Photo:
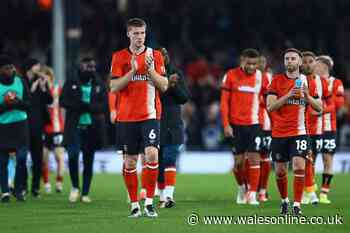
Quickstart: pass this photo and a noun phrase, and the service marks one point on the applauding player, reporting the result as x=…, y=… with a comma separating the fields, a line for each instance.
x=137, y=74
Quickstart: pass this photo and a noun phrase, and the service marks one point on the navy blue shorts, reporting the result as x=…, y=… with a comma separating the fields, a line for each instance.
x=284, y=149
x=134, y=137
x=246, y=139
x=329, y=144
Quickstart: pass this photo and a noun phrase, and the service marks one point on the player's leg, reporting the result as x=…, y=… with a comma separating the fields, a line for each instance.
x=129, y=141
x=150, y=134
x=329, y=148
x=281, y=169
x=131, y=183
x=309, y=195
x=170, y=154
x=255, y=142
x=239, y=174
x=239, y=169
x=59, y=156
x=299, y=147
x=143, y=176
x=58, y=151
x=280, y=157
x=4, y=159
x=326, y=177
x=253, y=177
x=265, y=167
x=45, y=170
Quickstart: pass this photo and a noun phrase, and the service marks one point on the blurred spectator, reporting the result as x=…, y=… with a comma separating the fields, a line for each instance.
x=212, y=131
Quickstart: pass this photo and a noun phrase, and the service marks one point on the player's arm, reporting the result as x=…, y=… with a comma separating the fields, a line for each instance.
x=339, y=95
x=312, y=98
x=120, y=83
x=112, y=100
x=160, y=81
x=273, y=103
x=328, y=105
x=225, y=101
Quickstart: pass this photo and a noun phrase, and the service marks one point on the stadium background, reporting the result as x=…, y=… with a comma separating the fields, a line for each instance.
x=204, y=39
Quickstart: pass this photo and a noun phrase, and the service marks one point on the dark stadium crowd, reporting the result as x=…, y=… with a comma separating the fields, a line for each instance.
x=203, y=40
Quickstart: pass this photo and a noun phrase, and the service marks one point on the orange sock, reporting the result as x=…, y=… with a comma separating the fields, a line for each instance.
x=170, y=176
x=151, y=176
x=161, y=185
x=239, y=175
x=59, y=178
x=254, y=176
x=265, y=168
x=143, y=177
x=282, y=184
x=246, y=172
x=131, y=182
x=298, y=184
x=309, y=176
x=45, y=173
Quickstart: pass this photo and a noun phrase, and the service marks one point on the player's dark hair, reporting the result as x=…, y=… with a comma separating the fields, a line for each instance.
x=293, y=50
x=250, y=53
x=308, y=54
x=135, y=22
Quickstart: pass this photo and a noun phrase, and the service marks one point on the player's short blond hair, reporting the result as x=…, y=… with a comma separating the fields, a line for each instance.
x=135, y=22
x=327, y=60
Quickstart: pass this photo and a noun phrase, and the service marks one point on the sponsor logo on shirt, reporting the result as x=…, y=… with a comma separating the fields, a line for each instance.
x=247, y=89
x=296, y=101
x=139, y=77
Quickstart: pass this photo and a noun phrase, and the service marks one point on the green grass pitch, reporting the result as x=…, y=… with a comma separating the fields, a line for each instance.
x=202, y=194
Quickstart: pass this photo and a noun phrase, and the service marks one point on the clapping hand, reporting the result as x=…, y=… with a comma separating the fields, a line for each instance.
x=149, y=62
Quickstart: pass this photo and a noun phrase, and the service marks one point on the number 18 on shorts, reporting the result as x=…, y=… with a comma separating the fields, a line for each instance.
x=283, y=149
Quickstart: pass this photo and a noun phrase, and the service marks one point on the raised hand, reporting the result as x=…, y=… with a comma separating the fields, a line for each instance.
x=149, y=62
